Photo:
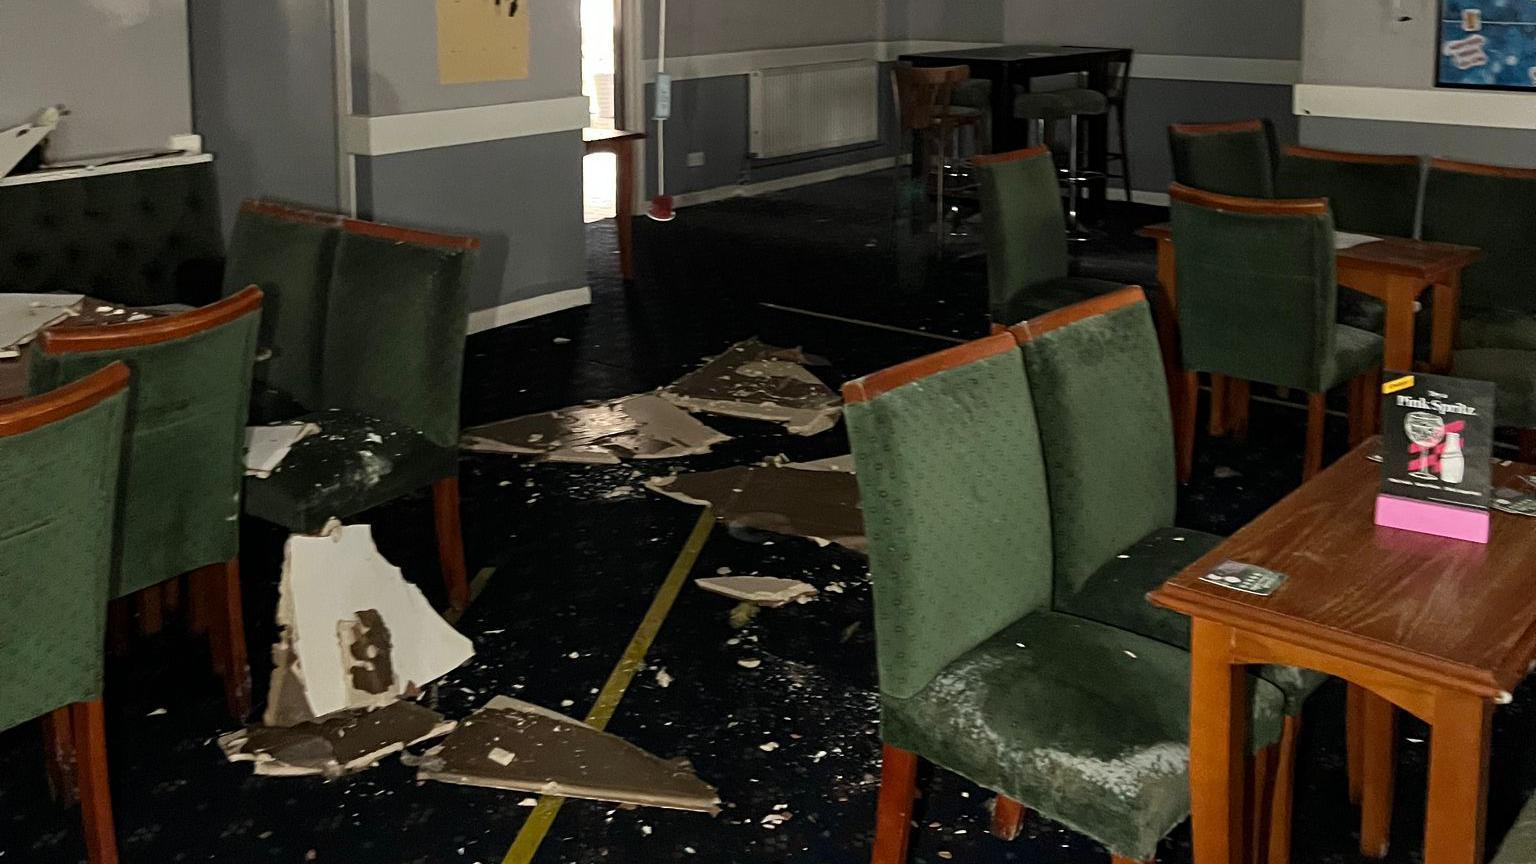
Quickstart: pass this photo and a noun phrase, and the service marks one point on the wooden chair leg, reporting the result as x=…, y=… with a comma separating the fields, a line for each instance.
x=90, y=730
x=1261, y=798
x=1356, y=404
x=1354, y=729
x=1121, y=859
x=1007, y=818
x=171, y=595
x=199, y=603
x=1379, y=734
x=1237, y=409
x=119, y=625
x=227, y=634
x=1184, y=435
x=59, y=756
x=1528, y=446
x=450, y=541
x=1317, y=413
x=1216, y=420
x=893, y=818
x=1283, y=792
x=151, y=611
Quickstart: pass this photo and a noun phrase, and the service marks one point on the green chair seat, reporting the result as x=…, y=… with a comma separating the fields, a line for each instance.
x=1086, y=723
x=1040, y=106
x=1355, y=352
x=1116, y=596
x=1513, y=372
x=1361, y=311
x=1497, y=328
x=1053, y=294
x=1519, y=846
x=355, y=463
x=1083, y=101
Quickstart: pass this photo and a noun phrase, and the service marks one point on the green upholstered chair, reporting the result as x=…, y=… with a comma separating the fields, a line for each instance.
x=391, y=358
x=1519, y=845
x=288, y=253
x=1493, y=208
x=1106, y=429
x=1258, y=302
x=1368, y=193
x=182, y=464
x=1028, y=268
x=59, y=458
x=1083, y=722
x=1229, y=158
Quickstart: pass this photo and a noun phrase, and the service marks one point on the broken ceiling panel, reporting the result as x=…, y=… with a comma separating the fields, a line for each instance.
x=354, y=632
x=821, y=505
x=644, y=426
x=510, y=744
x=336, y=744
x=760, y=382
x=266, y=446
x=758, y=590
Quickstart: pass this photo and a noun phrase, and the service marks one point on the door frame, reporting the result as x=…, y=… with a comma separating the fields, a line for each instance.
x=630, y=17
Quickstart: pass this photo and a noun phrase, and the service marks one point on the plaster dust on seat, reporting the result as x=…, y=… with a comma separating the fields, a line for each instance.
x=1125, y=775
x=372, y=469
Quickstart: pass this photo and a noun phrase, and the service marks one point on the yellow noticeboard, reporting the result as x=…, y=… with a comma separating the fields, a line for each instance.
x=482, y=40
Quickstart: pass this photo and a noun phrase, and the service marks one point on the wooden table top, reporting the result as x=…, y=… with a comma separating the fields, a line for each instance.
x=1016, y=53
x=1424, y=259
x=93, y=313
x=1462, y=614
x=594, y=135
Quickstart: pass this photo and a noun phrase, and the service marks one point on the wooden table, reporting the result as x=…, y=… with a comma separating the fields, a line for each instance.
x=93, y=313
x=622, y=145
x=1441, y=628
x=1013, y=66
x=1394, y=270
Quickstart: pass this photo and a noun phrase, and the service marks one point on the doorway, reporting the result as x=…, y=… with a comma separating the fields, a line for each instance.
x=599, y=74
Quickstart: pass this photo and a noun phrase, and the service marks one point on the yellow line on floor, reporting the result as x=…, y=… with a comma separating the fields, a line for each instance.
x=543, y=816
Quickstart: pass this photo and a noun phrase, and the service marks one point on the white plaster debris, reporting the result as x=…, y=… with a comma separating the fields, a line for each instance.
x=267, y=446
x=749, y=663
x=566, y=703
x=663, y=678
x=1125, y=775
x=1129, y=653
x=528, y=802
x=500, y=756
x=758, y=590
x=1222, y=472
x=768, y=746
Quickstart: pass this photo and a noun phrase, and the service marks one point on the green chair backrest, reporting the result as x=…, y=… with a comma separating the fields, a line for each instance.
x=287, y=253
x=184, y=458
x=953, y=490
x=1024, y=227
x=1256, y=287
x=1368, y=193
x=59, y=457
x=396, y=318
x=1101, y=399
x=1227, y=158
x=1494, y=209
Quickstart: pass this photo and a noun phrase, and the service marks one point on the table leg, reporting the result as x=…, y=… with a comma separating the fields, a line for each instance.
x=1005, y=127
x=1098, y=143
x=1165, y=314
x=1218, y=747
x=1399, y=348
x=624, y=154
x=1378, y=739
x=1458, y=779
x=1447, y=301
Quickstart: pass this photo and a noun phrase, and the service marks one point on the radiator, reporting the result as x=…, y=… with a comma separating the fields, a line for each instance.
x=802, y=109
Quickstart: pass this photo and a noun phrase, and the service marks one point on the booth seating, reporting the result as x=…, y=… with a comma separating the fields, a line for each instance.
x=139, y=238
x=364, y=337
x=1368, y=193
x=1235, y=158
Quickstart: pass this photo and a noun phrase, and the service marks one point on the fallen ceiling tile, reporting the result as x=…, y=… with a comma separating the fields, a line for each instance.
x=644, y=426
x=820, y=505
x=843, y=463
x=759, y=382
x=23, y=316
x=267, y=446
x=337, y=744
x=354, y=633
x=511, y=744
x=760, y=590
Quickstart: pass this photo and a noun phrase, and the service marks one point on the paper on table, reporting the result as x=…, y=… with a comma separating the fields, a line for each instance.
x=1346, y=240
x=267, y=446
x=23, y=316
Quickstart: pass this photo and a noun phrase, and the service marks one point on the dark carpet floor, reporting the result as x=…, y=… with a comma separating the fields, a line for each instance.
x=578, y=553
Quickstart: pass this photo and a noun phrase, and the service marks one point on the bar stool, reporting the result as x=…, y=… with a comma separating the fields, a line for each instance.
x=1043, y=110
x=1119, y=83
x=925, y=97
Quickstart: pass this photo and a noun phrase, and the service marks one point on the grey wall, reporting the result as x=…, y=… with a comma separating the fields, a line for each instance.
x=263, y=98
x=1359, y=44
x=723, y=26
x=945, y=20
x=521, y=196
x=120, y=66
x=1154, y=104
x=1217, y=28
x=394, y=59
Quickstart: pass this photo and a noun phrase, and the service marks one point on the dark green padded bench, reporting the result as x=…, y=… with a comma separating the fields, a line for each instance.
x=139, y=238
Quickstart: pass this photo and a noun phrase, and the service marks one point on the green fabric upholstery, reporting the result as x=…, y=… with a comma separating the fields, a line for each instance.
x=1497, y=215
x=960, y=540
x=184, y=456
x=1101, y=399
x=355, y=463
x=1497, y=328
x=1519, y=846
x=1024, y=229
x=1513, y=372
x=1361, y=311
x=1083, y=101
x=140, y=238
x=56, y=534
x=394, y=334
x=1082, y=723
x=1258, y=299
x=1232, y=163
x=1366, y=198
x=289, y=257
x=1116, y=595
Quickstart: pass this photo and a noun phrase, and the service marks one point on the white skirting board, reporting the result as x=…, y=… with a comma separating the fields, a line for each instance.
x=533, y=307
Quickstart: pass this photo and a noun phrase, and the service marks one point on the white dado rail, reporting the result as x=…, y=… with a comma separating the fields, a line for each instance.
x=383, y=134
x=1441, y=107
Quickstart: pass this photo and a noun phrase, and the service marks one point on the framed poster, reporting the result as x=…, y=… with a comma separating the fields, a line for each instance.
x=482, y=40
x=1487, y=44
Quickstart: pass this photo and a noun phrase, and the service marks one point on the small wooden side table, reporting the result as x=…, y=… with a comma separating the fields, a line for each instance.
x=622, y=145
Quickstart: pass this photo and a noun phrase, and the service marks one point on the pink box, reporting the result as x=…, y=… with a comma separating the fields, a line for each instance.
x=1426, y=517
